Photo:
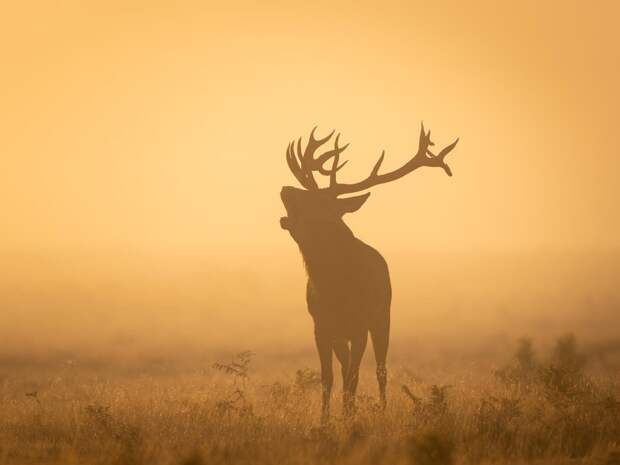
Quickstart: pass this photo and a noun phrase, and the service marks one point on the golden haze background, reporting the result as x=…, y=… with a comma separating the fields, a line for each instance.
x=143, y=153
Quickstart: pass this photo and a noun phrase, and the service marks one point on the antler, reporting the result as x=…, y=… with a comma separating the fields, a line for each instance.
x=302, y=163
x=423, y=157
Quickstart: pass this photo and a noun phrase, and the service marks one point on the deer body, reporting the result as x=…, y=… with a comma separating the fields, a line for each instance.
x=349, y=289
x=345, y=310
x=348, y=292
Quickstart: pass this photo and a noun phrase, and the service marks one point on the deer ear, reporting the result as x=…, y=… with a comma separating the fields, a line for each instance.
x=351, y=204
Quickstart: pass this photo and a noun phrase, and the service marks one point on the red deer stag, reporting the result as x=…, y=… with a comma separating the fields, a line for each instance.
x=348, y=291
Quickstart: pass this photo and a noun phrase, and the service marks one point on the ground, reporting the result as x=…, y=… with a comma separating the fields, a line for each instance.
x=249, y=408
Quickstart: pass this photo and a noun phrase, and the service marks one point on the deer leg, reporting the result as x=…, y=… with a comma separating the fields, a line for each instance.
x=324, y=347
x=358, y=346
x=343, y=354
x=380, y=334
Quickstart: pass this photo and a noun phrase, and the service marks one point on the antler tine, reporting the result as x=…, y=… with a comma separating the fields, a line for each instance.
x=320, y=161
x=440, y=157
x=293, y=164
x=332, y=173
x=306, y=157
x=311, y=147
x=302, y=162
x=425, y=137
x=296, y=165
x=322, y=140
x=305, y=170
x=336, y=167
x=423, y=157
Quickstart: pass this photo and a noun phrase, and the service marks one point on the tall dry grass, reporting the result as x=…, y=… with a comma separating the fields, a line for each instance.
x=556, y=407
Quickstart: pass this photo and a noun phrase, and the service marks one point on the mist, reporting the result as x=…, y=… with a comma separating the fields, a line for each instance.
x=143, y=153
x=180, y=306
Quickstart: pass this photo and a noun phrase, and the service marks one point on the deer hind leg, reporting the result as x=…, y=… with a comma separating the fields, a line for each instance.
x=358, y=346
x=343, y=354
x=380, y=334
x=324, y=347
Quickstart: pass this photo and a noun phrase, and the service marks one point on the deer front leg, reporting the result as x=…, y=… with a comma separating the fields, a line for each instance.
x=343, y=354
x=358, y=346
x=324, y=347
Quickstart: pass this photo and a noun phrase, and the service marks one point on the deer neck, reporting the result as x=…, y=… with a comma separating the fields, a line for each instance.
x=327, y=251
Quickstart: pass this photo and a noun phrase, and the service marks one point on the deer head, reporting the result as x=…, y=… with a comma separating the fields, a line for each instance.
x=317, y=211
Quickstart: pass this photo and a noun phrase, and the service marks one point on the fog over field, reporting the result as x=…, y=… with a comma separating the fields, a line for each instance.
x=172, y=306
x=152, y=291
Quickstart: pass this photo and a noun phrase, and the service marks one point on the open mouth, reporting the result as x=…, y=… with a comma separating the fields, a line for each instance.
x=285, y=221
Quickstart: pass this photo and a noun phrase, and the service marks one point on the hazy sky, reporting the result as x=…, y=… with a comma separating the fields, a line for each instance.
x=163, y=126
x=142, y=148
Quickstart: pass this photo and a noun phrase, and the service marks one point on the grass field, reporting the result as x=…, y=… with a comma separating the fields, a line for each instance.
x=246, y=408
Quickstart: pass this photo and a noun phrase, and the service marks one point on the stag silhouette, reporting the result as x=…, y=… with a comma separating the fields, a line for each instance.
x=348, y=291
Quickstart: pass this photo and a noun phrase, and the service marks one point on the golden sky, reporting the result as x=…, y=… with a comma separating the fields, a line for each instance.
x=162, y=126
x=142, y=148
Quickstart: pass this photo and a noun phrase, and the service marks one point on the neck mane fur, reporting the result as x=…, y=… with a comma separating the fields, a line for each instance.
x=325, y=251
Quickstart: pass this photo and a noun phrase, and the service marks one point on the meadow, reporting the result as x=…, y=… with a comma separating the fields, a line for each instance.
x=557, y=405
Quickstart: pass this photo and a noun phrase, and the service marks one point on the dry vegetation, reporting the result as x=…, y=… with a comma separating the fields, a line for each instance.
x=553, y=408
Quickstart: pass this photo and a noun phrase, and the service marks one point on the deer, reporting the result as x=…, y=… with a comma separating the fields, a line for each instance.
x=348, y=291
